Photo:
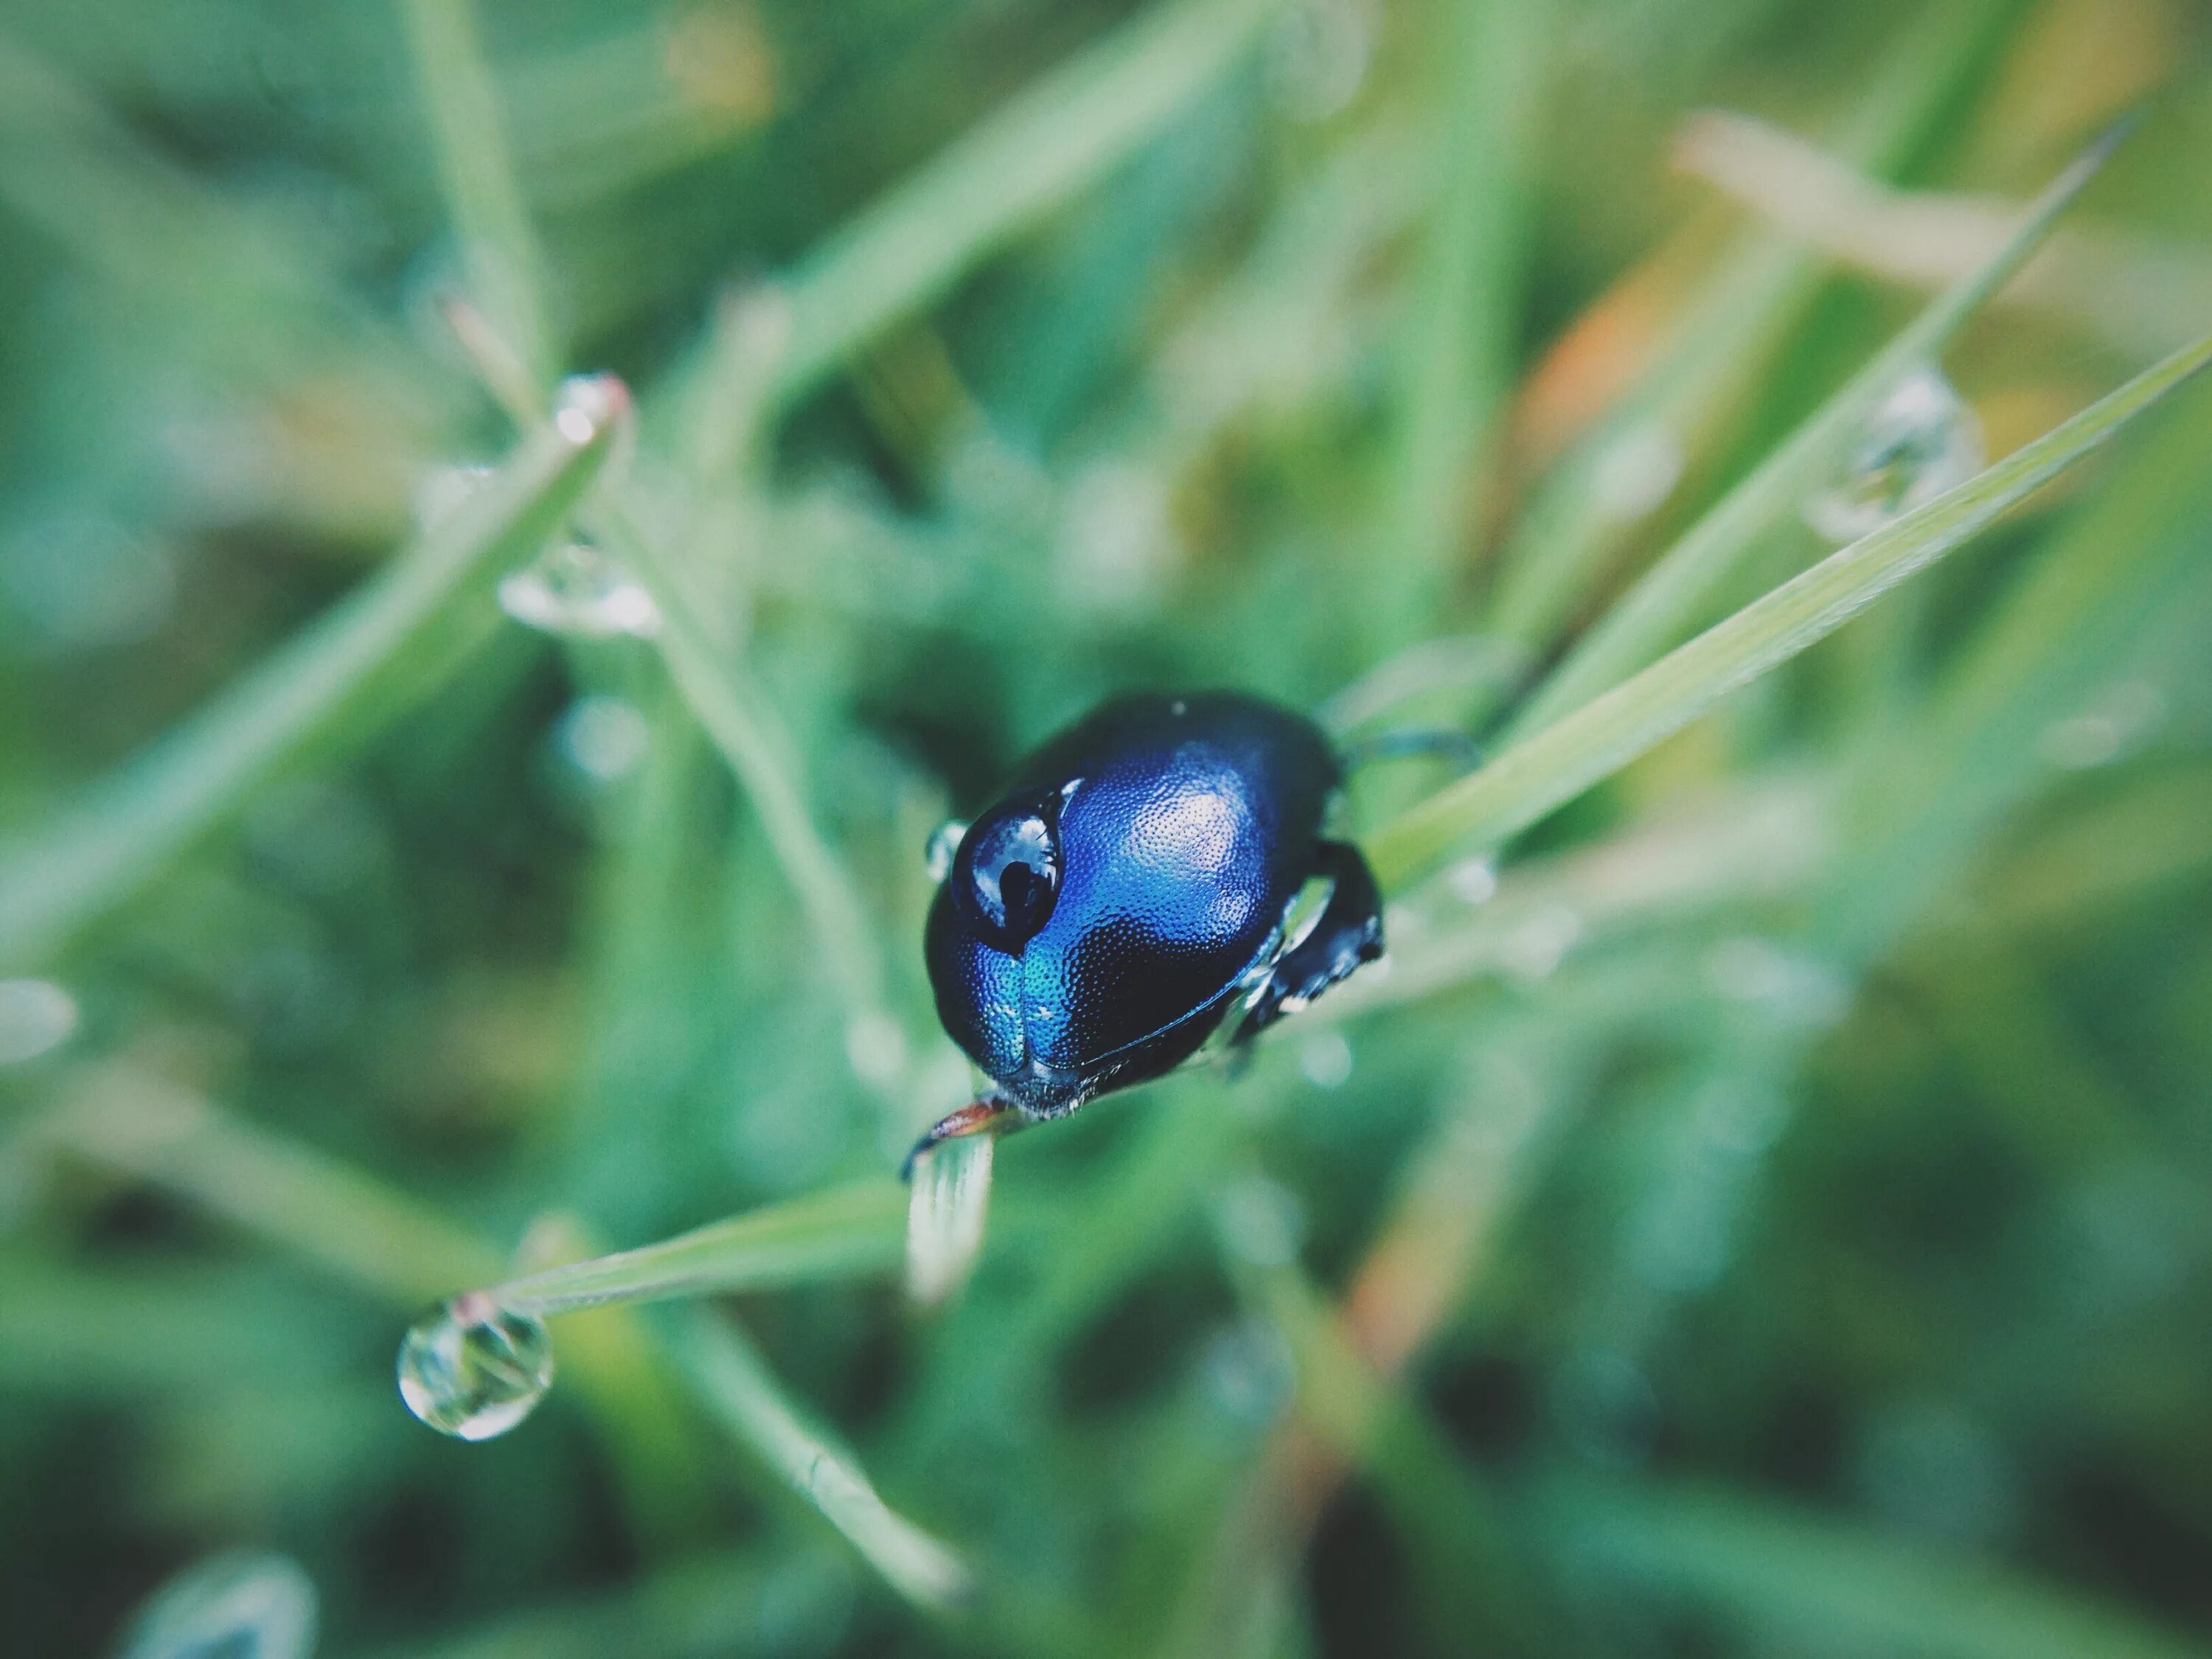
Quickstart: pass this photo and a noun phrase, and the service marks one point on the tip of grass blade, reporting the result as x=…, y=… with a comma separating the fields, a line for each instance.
x=921, y=1567
x=585, y=405
x=950, y=1195
x=2100, y=147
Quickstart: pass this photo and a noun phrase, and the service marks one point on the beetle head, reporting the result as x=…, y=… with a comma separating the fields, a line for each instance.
x=1005, y=876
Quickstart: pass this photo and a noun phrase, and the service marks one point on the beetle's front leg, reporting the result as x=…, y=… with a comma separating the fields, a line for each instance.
x=988, y=1117
x=1347, y=933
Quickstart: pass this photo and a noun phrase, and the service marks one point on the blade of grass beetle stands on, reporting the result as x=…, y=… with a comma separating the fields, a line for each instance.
x=1574, y=521
x=846, y=1231
x=1532, y=777
x=950, y=1191
x=608, y=1356
x=408, y=1254
x=733, y=1383
x=1789, y=1572
x=2076, y=619
x=363, y=657
x=1672, y=593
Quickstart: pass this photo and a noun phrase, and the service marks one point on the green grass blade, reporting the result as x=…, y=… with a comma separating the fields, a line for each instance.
x=1456, y=341
x=488, y=208
x=506, y=267
x=1469, y=1569
x=732, y=1380
x=2087, y=612
x=1057, y=136
x=351, y=1225
x=950, y=1192
x=1669, y=596
x=844, y=1232
x=1829, y=1583
x=127, y=827
x=1533, y=777
x=1574, y=522
x=736, y=714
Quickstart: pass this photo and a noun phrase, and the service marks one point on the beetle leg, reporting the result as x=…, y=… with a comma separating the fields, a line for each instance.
x=987, y=1116
x=1347, y=933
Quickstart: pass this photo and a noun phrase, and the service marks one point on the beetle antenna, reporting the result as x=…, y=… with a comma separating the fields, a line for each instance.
x=991, y=1115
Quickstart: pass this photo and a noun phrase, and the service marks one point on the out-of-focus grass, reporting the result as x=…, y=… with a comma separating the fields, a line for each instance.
x=1764, y=1203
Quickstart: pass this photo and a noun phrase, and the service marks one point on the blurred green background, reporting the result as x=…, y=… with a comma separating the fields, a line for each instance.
x=1767, y=1210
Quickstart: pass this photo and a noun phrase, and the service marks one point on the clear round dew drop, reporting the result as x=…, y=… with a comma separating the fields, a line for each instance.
x=472, y=1368
x=577, y=590
x=603, y=737
x=36, y=1015
x=1921, y=440
x=584, y=405
x=242, y=1604
x=944, y=843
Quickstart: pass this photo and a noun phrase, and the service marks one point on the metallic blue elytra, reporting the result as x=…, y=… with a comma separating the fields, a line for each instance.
x=1130, y=887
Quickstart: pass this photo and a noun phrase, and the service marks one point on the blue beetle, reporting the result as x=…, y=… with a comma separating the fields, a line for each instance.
x=1130, y=890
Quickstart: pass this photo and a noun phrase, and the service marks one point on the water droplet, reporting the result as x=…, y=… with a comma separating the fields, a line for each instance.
x=1325, y=1059
x=1317, y=56
x=1795, y=989
x=1476, y=880
x=35, y=1015
x=602, y=737
x=1247, y=1374
x=992, y=480
x=1919, y=440
x=1536, y=948
x=2110, y=729
x=1638, y=472
x=242, y=1604
x=442, y=490
x=573, y=588
x=472, y=1368
x=1260, y=1220
x=587, y=405
x=944, y=843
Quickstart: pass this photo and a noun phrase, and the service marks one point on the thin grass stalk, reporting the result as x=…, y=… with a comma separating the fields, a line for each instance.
x=1581, y=514
x=1550, y=768
x=361, y=658
x=1670, y=595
